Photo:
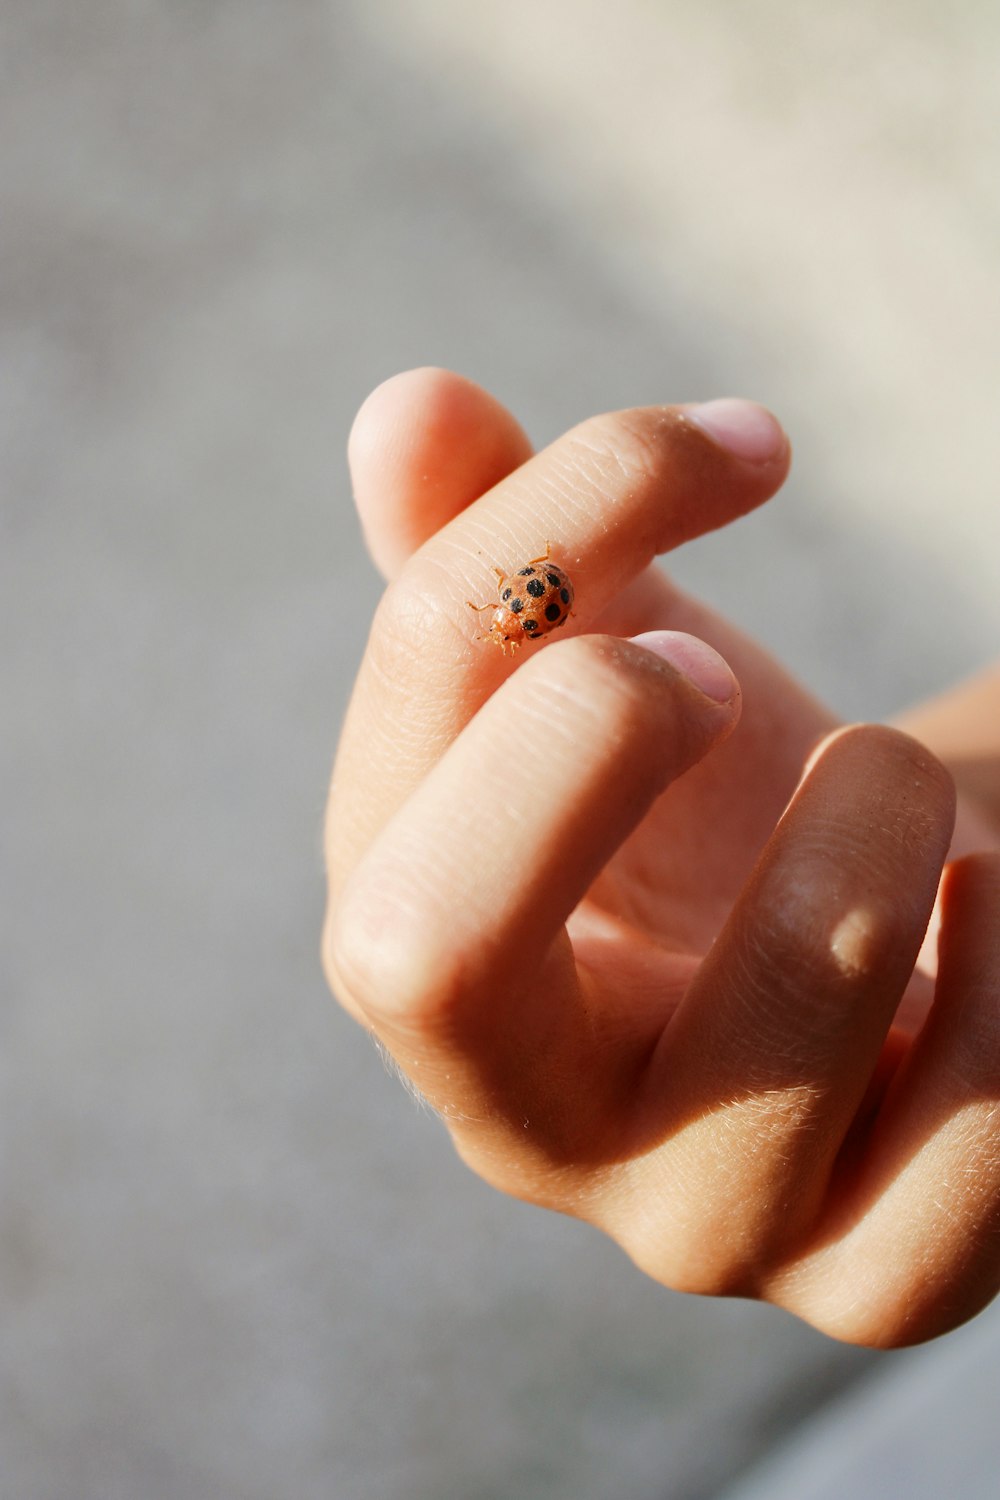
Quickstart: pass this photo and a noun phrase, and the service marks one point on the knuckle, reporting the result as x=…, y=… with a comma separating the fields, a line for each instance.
x=812, y=928
x=412, y=611
x=622, y=448
x=329, y=960
x=815, y=950
x=388, y=970
x=393, y=959
x=883, y=1298
x=347, y=962
x=499, y=1155
x=696, y=1264
x=845, y=896
x=874, y=1324
x=710, y=1252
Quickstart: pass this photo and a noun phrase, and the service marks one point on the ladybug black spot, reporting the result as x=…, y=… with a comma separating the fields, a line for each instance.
x=536, y=588
x=564, y=595
x=554, y=579
x=516, y=606
x=530, y=626
x=552, y=612
x=505, y=595
x=525, y=572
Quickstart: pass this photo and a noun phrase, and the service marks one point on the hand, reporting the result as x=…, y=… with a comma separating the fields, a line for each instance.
x=645, y=975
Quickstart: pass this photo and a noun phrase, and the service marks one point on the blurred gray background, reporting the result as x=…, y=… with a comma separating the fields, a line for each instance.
x=235, y=1259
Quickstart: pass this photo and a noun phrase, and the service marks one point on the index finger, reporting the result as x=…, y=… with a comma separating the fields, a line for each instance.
x=605, y=498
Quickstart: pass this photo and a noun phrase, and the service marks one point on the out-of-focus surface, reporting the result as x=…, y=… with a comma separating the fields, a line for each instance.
x=925, y=1427
x=233, y=1258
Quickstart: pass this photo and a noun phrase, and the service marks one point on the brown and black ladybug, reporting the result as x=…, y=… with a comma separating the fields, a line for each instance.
x=533, y=601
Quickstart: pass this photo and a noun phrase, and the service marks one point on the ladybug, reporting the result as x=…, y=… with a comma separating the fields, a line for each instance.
x=533, y=601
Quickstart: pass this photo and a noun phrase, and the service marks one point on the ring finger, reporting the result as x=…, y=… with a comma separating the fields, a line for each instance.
x=758, y=1079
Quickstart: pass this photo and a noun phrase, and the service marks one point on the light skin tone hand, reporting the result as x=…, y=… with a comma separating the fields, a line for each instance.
x=646, y=954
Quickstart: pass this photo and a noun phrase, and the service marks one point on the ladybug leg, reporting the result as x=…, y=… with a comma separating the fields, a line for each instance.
x=479, y=606
x=505, y=646
x=548, y=549
x=499, y=640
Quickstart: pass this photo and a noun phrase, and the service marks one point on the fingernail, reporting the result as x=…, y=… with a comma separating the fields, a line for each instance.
x=702, y=666
x=742, y=427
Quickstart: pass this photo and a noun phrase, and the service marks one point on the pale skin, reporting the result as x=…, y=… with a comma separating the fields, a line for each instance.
x=644, y=953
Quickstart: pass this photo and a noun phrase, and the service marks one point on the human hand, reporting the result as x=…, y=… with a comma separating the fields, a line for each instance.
x=570, y=901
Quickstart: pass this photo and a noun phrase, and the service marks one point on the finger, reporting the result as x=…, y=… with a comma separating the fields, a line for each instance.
x=709, y=837
x=762, y=1071
x=917, y=1239
x=424, y=445
x=449, y=937
x=608, y=496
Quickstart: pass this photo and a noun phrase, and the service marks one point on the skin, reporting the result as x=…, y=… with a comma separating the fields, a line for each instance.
x=653, y=961
x=962, y=727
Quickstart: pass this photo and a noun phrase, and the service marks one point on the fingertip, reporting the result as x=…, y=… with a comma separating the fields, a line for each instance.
x=696, y=661
x=425, y=444
x=386, y=408
x=745, y=429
